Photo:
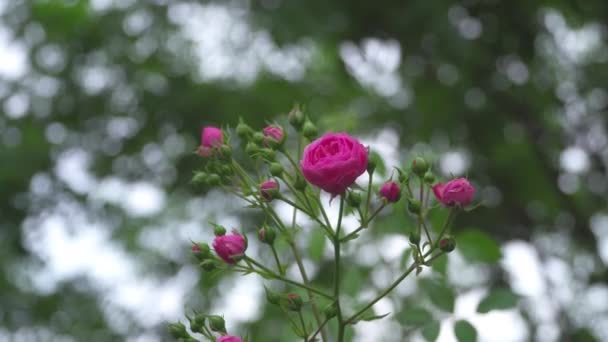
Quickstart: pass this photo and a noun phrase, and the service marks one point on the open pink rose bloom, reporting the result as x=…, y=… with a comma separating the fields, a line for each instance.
x=334, y=161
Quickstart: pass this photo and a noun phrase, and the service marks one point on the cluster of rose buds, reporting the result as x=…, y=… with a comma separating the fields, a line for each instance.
x=331, y=163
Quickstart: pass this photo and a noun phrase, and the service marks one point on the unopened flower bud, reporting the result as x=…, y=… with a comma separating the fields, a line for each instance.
x=178, y=330
x=268, y=154
x=219, y=230
x=296, y=118
x=258, y=138
x=217, y=324
x=196, y=324
x=447, y=244
x=269, y=190
x=391, y=192
x=274, y=136
x=276, y=169
x=201, y=251
x=415, y=238
x=251, y=149
x=300, y=183
x=310, y=130
x=226, y=151
x=413, y=205
x=208, y=265
x=214, y=180
x=200, y=178
x=294, y=302
x=403, y=176
x=353, y=199
x=227, y=170
x=272, y=297
x=243, y=130
x=231, y=247
x=330, y=311
x=266, y=235
x=420, y=166
x=429, y=177
x=371, y=164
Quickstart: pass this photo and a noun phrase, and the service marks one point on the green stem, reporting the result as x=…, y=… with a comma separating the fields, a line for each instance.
x=276, y=259
x=446, y=225
x=319, y=329
x=389, y=289
x=286, y=280
x=364, y=224
x=341, y=325
x=303, y=326
x=369, y=195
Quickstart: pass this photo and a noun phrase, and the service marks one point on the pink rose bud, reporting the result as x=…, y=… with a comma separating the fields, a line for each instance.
x=273, y=135
x=457, y=192
x=195, y=249
x=391, y=192
x=333, y=162
x=212, y=137
x=230, y=247
x=269, y=190
x=229, y=338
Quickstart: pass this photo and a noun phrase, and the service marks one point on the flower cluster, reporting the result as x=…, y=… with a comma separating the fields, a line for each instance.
x=331, y=164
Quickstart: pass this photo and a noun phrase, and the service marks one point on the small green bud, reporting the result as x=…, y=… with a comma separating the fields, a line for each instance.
x=200, y=178
x=447, y=244
x=258, y=138
x=272, y=297
x=199, y=320
x=413, y=205
x=251, y=149
x=217, y=323
x=201, y=251
x=420, y=166
x=429, y=177
x=300, y=183
x=294, y=302
x=243, y=130
x=296, y=118
x=219, y=230
x=267, y=235
x=353, y=199
x=208, y=265
x=268, y=154
x=214, y=180
x=330, y=311
x=415, y=238
x=310, y=130
x=371, y=164
x=178, y=330
x=403, y=176
x=226, y=151
x=276, y=169
x=227, y=170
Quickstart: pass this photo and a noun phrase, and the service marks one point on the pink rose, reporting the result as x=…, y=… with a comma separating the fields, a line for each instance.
x=230, y=247
x=391, y=192
x=212, y=137
x=455, y=192
x=229, y=338
x=269, y=190
x=334, y=161
x=274, y=133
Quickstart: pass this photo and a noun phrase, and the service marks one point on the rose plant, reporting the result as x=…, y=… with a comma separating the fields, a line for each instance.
x=332, y=164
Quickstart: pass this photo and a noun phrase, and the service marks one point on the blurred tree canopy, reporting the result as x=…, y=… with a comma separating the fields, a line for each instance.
x=103, y=101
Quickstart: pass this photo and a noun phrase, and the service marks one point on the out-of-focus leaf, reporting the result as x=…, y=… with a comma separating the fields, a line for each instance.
x=440, y=265
x=478, y=246
x=415, y=316
x=430, y=332
x=499, y=299
x=316, y=244
x=440, y=293
x=465, y=331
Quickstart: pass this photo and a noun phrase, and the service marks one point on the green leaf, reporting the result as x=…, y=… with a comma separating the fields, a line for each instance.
x=465, y=331
x=498, y=299
x=478, y=246
x=440, y=265
x=430, y=332
x=316, y=245
x=440, y=293
x=369, y=318
x=415, y=316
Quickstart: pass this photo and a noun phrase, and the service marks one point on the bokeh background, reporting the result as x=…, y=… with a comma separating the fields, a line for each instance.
x=102, y=102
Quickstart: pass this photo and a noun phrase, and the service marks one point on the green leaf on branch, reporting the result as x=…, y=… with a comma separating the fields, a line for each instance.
x=440, y=294
x=465, y=331
x=478, y=246
x=415, y=316
x=499, y=299
x=316, y=245
x=430, y=331
x=440, y=265
x=371, y=317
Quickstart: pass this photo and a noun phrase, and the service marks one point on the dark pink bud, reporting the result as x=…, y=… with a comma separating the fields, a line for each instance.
x=230, y=247
x=212, y=137
x=269, y=190
x=274, y=133
x=229, y=338
x=391, y=192
x=196, y=249
x=457, y=192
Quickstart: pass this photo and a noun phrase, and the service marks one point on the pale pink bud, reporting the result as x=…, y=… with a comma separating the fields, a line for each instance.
x=275, y=133
x=269, y=190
